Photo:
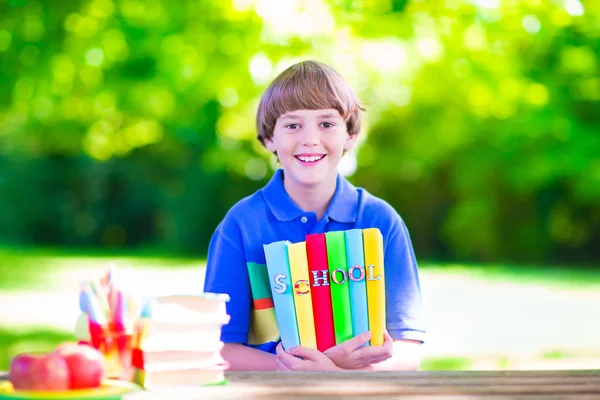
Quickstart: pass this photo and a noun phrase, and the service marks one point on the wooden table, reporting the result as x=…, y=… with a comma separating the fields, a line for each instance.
x=426, y=385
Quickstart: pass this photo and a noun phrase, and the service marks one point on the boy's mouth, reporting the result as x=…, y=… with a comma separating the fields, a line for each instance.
x=310, y=158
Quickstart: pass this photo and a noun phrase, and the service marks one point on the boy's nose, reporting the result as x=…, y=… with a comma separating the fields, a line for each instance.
x=311, y=137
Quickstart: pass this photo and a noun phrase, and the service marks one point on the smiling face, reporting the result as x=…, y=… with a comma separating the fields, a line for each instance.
x=310, y=145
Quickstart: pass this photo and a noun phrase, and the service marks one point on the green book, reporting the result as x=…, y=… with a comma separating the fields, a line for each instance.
x=339, y=286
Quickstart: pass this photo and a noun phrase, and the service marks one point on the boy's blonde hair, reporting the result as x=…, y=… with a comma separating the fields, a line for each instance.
x=308, y=85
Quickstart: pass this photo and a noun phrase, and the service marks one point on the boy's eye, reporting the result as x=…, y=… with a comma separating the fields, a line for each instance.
x=292, y=126
x=327, y=125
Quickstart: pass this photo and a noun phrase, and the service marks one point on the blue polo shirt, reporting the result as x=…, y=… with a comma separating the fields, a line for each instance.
x=236, y=261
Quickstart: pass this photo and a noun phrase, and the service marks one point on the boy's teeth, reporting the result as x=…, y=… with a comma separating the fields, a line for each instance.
x=310, y=159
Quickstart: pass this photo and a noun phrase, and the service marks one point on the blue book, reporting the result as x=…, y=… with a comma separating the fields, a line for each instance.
x=357, y=280
x=278, y=267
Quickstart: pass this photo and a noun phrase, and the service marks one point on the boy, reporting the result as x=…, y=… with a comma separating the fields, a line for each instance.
x=308, y=117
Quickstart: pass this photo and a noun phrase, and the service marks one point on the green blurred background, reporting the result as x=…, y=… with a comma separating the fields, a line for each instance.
x=127, y=130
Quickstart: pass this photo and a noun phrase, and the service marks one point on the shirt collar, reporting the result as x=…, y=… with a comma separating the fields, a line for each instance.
x=341, y=209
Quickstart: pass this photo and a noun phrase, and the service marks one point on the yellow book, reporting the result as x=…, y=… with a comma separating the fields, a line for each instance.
x=374, y=274
x=302, y=297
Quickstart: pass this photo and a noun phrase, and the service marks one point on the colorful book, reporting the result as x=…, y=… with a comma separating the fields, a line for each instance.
x=339, y=287
x=263, y=321
x=184, y=376
x=316, y=252
x=281, y=286
x=302, y=298
x=357, y=282
x=373, y=248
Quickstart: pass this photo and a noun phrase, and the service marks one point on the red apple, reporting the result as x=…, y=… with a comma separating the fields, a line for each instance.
x=50, y=372
x=18, y=373
x=85, y=363
x=47, y=372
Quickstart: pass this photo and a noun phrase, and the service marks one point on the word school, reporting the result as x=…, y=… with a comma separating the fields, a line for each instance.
x=321, y=278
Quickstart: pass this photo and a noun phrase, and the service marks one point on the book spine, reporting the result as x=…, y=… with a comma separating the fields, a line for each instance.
x=302, y=297
x=262, y=316
x=316, y=251
x=374, y=269
x=340, y=289
x=279, y=278
x=358, y=284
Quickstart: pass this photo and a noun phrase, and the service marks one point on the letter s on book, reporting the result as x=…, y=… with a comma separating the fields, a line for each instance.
x=280, y=286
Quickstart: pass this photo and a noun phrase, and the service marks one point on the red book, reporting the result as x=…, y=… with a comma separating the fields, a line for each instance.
x=316, y=252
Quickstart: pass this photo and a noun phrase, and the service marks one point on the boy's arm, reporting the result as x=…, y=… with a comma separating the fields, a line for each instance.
x=406, y=356
x=227, y=272
x=404, y=310
x=397, y=355
x=243, y=358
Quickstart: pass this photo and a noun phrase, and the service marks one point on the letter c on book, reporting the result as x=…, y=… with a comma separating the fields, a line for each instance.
x=280, y=286
x=298, y=285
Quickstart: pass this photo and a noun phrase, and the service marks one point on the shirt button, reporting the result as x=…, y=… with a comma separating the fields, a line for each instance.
x=303, y=219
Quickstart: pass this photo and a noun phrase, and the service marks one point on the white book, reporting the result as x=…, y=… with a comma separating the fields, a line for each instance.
x=179, y=314
x=188, y=377
x=176, y=356
x=216, y=361
x=184, y=323
x=188, y=341
x=207, y=307
x=156, y=327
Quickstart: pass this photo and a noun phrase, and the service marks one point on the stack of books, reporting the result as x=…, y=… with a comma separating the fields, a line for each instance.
x=179, y=341
x=328, y=288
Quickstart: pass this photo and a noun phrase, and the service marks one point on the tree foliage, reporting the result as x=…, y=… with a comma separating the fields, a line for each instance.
x=130, y=122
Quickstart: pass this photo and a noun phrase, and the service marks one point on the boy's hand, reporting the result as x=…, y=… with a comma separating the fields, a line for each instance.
x=349, y=355
x=312, y=360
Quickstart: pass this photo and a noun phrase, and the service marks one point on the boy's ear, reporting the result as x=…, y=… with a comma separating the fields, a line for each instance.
x=269, y=144
x=350, y=141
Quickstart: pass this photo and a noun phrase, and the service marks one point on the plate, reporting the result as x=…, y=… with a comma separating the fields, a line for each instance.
x=110, y=390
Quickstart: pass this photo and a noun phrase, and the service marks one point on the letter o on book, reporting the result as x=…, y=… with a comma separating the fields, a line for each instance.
x=334, y=276
x=361, y=272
